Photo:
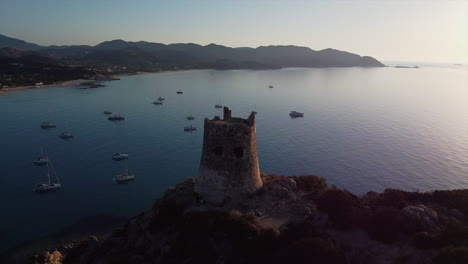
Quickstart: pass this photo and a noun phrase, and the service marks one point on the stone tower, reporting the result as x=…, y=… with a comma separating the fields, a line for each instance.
x=229, y=163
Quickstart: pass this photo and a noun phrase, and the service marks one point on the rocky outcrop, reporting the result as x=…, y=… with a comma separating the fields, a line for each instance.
x=47, y=257
x=421, y=216
x=296, y=219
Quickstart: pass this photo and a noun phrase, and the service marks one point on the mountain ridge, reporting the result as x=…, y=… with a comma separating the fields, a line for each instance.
x=271, y=56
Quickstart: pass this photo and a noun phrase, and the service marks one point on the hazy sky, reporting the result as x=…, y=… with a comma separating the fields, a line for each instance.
x=390, y=30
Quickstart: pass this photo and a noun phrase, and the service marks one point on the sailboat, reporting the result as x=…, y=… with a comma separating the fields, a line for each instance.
x=122, y=178
x=190, y=128
x=66, y=135
x=48, y=186
x=48, y=124
x=42, y=160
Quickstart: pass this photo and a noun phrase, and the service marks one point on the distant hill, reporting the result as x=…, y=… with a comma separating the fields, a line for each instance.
x=29, y=67
x=274, y=56
x=25, y=63
x=7, y=42
x=192, y=55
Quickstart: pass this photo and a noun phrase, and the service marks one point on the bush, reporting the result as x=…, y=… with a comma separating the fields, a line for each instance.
x=451, y=255
x=384, y=225
x=311, y=183
x=168, y=212
x=340, y=205
x=457, y=199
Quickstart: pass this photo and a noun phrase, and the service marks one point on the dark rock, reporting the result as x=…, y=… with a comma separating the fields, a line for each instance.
x=420, y=215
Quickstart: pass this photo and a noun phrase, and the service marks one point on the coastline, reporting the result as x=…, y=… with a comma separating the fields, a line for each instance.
x=63, y=84
x=98, y=225
x=71, y=83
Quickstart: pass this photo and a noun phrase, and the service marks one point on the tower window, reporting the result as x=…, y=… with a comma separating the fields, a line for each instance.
x=239, y=152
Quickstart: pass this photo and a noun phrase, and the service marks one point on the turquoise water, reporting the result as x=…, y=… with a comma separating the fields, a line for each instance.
x=364, y=129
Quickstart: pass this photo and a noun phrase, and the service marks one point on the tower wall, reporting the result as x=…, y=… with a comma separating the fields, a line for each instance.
x=229, y=164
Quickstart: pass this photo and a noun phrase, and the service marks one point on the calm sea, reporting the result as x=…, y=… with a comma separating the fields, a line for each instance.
x=364, y=129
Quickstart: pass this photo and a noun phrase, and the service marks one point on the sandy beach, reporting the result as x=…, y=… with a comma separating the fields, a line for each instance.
x=73, y=83
x=54, y=85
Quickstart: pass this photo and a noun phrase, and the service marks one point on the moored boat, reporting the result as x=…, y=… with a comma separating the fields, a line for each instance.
x=296, y=114
x=116, y=117
x=42, y=160
x=48, y=124
x=48, y=186
x=120, y=156
x=66, y=135
x=190, y=128
x=125, y=177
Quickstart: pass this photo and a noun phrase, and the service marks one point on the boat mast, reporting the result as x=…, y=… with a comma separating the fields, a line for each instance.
x=55, y=173
x=48, y=172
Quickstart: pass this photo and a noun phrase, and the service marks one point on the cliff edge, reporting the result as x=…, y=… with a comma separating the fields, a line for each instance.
x=296, y=219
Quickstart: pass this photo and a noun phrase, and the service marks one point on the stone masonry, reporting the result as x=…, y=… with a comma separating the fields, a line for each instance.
x=229, y=163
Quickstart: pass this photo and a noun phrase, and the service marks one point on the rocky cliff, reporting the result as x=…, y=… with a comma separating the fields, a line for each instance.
x=288, y=220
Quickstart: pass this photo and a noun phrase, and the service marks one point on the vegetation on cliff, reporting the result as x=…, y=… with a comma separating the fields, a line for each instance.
x=298, y=219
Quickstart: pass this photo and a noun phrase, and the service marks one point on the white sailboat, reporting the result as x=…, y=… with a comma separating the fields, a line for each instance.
x=41, y=160
x=125, y=177
x=48, y=124
x=48, y=186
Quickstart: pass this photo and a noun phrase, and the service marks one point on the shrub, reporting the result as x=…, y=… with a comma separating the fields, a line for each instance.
x=451, y=255
x=385, y=225
x=457, y=199
x=340, y=205
x=311, y=183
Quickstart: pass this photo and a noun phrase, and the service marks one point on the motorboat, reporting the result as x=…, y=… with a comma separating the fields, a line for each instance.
x=179, y=92
x=271, y=86
x=125, y=177
x=160, y=98
x=48, y=124
x=116, y=117
x=120, y=156
x=218, y=106
x=296, y=114
x=66, y=135
x=157, y=102
x=190, y=128
x=190, y=117
x=107, y=112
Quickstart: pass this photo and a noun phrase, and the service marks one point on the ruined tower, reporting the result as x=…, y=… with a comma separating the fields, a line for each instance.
x=229, y=163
